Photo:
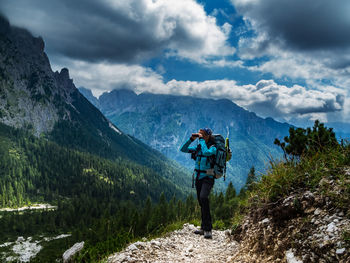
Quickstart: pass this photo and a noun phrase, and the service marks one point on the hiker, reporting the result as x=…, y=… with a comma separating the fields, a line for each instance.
x=204, y=177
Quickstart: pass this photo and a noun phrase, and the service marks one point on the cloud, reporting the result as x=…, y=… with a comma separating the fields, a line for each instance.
x=300, y=24
x=266, y=97
x=297, y=41
x=101, y=77
x=122, y=31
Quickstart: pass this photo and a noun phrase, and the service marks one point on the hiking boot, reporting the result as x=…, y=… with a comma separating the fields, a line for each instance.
x=199, y=232
x=207, y=234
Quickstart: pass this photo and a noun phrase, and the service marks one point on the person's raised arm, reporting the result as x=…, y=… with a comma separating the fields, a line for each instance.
x=205, y=150
x=186, y=148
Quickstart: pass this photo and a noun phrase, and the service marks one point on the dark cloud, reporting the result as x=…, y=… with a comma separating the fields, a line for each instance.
x=119, y=31
x=301, y=24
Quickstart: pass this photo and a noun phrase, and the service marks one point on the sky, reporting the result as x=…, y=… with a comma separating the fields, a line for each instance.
x=286, y=59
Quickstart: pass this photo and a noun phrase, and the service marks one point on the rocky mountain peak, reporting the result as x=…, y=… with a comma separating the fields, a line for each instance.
x=64, y=74
x=64, y=81
x=31, y=94
x=165, y=121
x=4, y=25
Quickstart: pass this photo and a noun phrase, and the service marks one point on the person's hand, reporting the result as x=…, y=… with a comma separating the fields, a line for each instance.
x=200, y=135
x=194, y=136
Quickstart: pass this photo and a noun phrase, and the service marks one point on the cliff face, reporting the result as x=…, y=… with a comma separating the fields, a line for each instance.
x=31, y=95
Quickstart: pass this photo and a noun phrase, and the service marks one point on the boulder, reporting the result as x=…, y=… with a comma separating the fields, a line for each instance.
x=68, y=254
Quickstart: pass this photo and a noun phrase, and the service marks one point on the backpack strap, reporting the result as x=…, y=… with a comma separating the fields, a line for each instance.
x=208, y=172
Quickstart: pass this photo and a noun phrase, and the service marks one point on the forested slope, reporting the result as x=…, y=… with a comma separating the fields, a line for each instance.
x=57, y=148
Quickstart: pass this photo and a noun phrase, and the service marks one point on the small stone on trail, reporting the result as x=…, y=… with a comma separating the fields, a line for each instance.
x=317, y=212
x=265, y=221
x=132, y=247
x=340, y=251
x=331, y=227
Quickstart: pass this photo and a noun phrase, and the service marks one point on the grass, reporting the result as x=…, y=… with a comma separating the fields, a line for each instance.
x=346, y=237
x=285, y=177
x=322, y=171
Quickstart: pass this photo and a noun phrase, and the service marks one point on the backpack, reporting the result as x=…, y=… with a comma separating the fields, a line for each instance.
x=223, y=155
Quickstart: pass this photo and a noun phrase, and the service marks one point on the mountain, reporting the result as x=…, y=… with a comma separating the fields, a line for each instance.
x=88, y=94
x=47, y=103
x=58, y=148
x=166, y=121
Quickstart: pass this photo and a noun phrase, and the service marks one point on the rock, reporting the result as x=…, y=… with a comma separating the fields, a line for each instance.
x=68, y=254
x=190, y=248
x=155, y=243
x=139, y=244
x=331, y=227
x=291, y=258
x=20, y=239
x=132, y=247
x=340, y=251
x=179, y=246
x=265, y=221
x=229, y=259
x=317, y=212
x=310, y=210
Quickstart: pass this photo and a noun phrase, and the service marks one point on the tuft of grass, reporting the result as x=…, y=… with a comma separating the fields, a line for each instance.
x=219, y=225
x=284, y=177
x=346, y=237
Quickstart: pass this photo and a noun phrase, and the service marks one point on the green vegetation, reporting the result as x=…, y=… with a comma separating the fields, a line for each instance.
x=110, y=203
x=104, y=202
x=307, y=142
x=36, y=170
x=89, y=131
x=314, y=158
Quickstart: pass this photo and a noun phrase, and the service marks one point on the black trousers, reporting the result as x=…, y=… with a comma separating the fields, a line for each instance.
x=203, y=187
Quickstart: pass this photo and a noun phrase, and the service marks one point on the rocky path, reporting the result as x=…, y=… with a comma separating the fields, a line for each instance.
x=180, y=246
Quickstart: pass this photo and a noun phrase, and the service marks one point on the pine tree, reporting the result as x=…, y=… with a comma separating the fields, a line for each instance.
x=230, y=192
x=163, y=208
x=251, y=179
x=146, y=215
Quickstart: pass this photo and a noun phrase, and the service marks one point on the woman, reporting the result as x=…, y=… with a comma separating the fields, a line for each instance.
x=204, y=177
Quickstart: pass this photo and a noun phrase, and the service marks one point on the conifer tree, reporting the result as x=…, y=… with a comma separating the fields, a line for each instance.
x=230, y=192
x=163, y=209
x=308, y=141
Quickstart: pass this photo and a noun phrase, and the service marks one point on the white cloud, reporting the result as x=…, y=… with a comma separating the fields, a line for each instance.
x=101, y=77
x=314, y=48
x=266, y=98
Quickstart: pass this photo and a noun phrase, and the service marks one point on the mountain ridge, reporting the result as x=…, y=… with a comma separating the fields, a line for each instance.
x=165, y=121
x=48, y=104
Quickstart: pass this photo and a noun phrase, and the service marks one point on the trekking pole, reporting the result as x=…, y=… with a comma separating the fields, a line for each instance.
x=227, y=148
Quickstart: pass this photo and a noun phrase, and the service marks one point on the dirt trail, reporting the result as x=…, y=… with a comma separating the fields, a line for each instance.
x=180, y=246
